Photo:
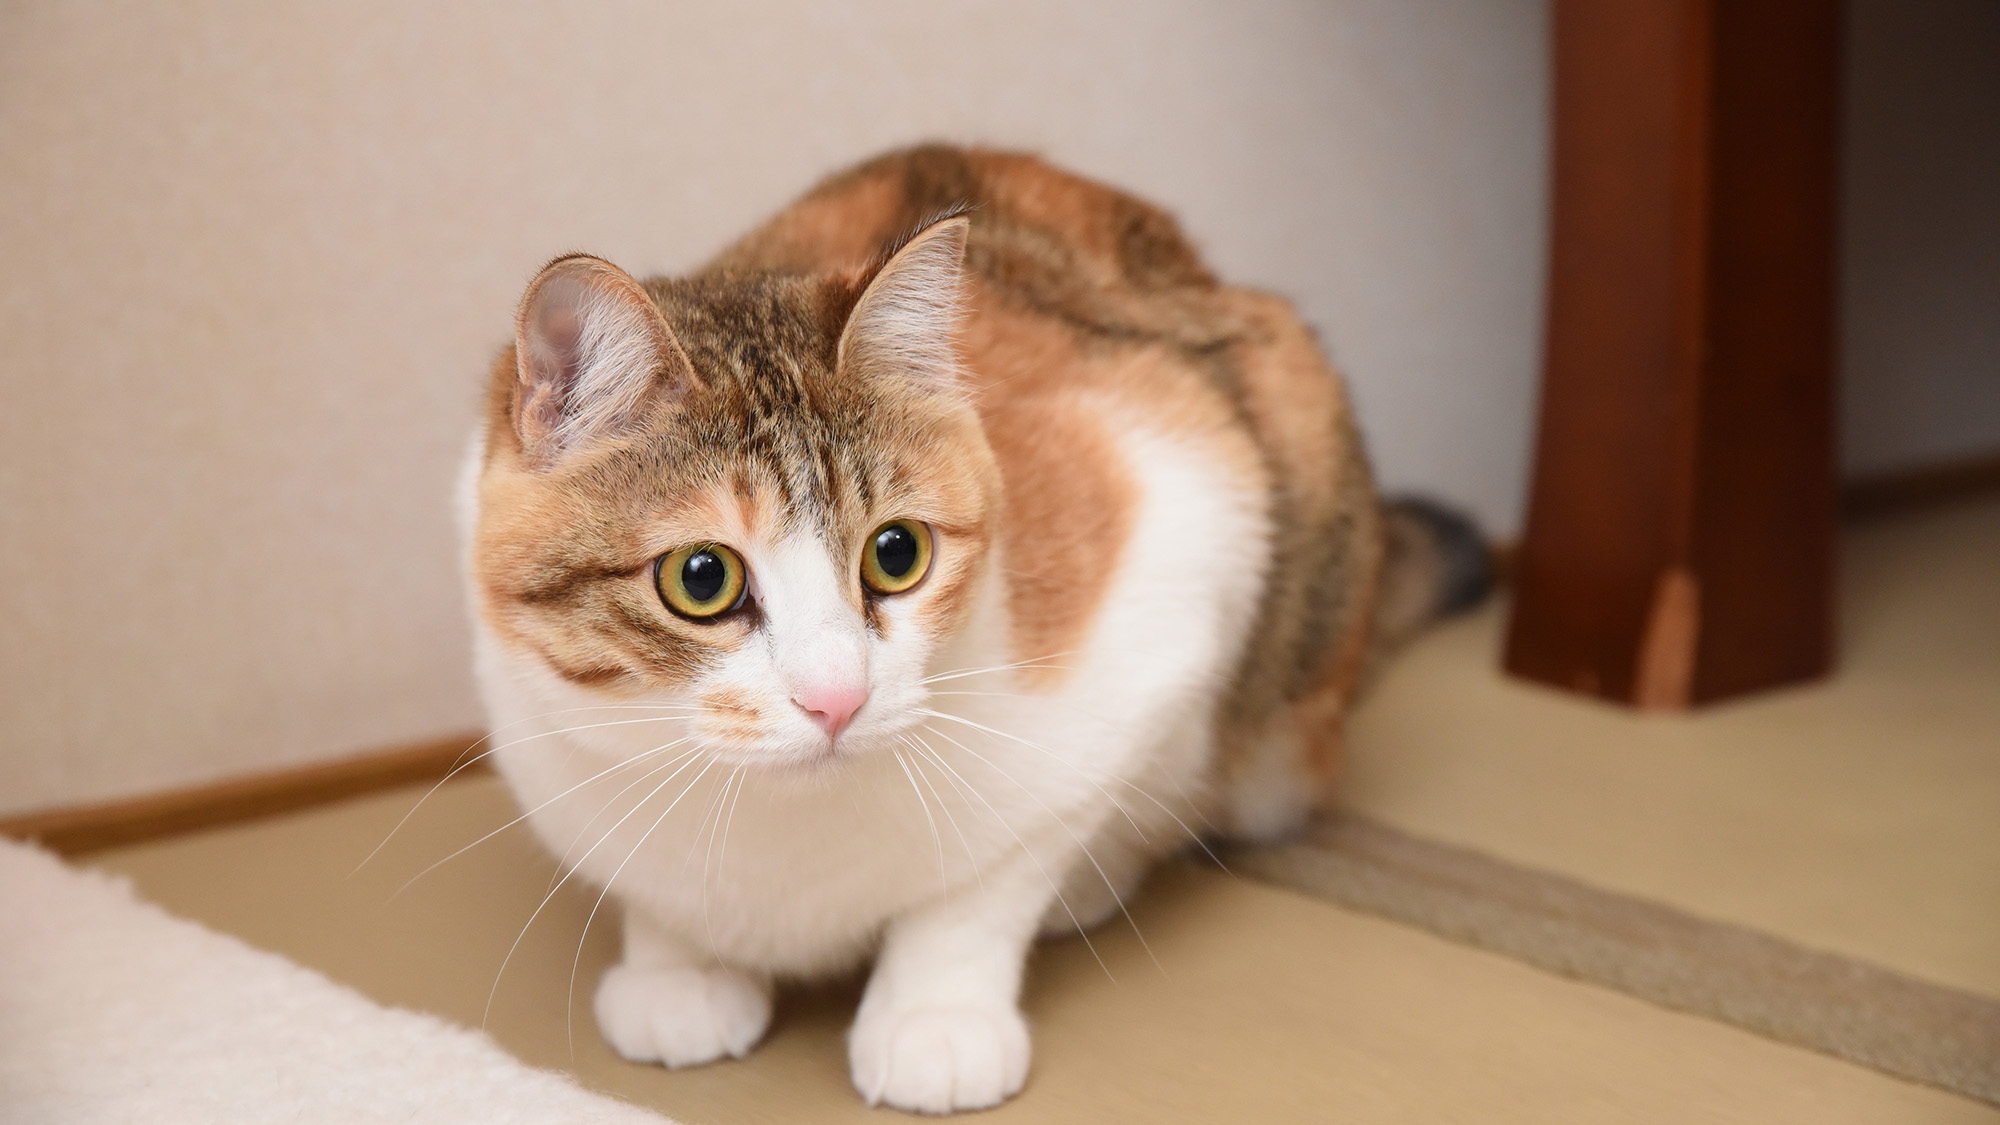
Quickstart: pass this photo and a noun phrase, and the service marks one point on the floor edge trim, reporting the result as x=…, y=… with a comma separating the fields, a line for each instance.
x=79, y=829
x=1908, y=1028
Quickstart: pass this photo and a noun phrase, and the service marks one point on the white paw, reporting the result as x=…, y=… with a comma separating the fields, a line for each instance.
x=681, y=1017
x=939, y=1059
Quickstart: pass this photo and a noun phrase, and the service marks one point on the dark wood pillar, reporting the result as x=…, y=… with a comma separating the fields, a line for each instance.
x=1680, y=537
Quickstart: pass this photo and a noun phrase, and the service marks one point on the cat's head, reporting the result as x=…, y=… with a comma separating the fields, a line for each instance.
x=764, y=500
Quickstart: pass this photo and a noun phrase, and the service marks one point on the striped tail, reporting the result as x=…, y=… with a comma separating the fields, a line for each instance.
x=1436, y=564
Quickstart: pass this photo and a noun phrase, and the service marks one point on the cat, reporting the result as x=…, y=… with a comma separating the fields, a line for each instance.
x=905, y=583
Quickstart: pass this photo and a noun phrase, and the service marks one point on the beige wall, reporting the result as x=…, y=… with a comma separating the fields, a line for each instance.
x=254, y=259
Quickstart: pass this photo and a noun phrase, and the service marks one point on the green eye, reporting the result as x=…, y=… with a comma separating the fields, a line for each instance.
x=897, y=556
x=702, y=581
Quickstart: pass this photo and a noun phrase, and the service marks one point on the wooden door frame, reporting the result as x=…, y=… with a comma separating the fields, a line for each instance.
x=1679, y=545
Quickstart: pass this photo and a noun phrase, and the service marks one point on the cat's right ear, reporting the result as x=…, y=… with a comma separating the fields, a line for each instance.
x=592, y=354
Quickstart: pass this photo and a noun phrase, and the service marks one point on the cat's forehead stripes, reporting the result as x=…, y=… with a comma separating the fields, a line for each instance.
x=771, y=400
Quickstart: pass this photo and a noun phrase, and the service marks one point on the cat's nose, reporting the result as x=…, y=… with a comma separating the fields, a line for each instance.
x=832, y=706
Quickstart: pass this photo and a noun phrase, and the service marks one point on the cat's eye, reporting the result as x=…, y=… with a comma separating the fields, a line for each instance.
x=700, y=581
x=897, y=555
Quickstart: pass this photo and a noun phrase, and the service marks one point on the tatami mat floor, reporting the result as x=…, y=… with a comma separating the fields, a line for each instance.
x=1861, y=816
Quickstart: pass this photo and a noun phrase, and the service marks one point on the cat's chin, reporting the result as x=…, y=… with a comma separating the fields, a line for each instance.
x=827, y=760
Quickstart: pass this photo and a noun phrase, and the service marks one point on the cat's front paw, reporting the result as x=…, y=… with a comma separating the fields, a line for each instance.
x=681, y=1017
x=939, y=1059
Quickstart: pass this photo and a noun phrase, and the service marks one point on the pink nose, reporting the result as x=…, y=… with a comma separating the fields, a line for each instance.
x=832, y=706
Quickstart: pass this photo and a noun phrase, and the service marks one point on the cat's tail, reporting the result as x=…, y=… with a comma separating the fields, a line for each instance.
x=1436, y=564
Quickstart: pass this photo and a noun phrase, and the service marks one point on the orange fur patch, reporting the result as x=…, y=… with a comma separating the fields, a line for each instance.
x=1068, y=509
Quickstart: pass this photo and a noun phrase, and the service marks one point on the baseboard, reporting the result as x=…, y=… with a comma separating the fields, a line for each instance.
x=88, y=828
x=1922, y=487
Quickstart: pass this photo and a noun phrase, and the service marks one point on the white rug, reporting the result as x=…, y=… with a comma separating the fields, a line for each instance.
x=112, y=1010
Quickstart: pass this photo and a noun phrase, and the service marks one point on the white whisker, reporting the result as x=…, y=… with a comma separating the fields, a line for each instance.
x=613, y=800
x=569, y=1006
x=1081, y=846
x=706, y=923
x=1073, y=767
x=723, y=852
x=676, y=707
x=1033, y=662
x=627, y=763
x=713, y=807
x=579, y=863
x=1127, y=782
x=944, y=807
x=463, y=764
x=944, y=882
x=1032, y=858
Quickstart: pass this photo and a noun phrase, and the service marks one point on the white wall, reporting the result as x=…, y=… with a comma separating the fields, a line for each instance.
x=254, y=260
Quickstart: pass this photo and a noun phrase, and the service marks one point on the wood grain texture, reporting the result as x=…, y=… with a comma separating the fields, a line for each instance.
x=1686, y=427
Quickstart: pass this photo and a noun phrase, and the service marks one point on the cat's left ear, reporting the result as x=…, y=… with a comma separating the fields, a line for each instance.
x=593, y=356
x=906, y=320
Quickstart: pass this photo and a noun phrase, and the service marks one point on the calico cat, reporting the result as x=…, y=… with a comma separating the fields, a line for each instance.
x=906, y=582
